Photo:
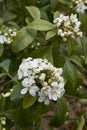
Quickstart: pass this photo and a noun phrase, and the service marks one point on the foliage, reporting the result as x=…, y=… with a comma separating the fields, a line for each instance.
x=36, y=35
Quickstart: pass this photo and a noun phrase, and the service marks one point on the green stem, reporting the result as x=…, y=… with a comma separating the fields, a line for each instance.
x=69, y=48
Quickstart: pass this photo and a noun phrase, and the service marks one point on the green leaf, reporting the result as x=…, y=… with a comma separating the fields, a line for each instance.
x=83, y=19
x=28, y=100
x=43, y=52
x=34, y=12
x=24, y=37
x=71, y=46
x=81, y=123
x=56, y=14
x=59, y=117
x=2, y=103
x=41, y=25
x=83, y=41
x=16, y=93
x=7, y=16
x=58, y=56
x=73, y=78
x=5, y=65
x=39, y=52
x=51, y=34
x=48, y=54
x=1, y=49
x=12, y=114
x=76, y=60
x=26, y=117
x=3, y=74
x=65, y=1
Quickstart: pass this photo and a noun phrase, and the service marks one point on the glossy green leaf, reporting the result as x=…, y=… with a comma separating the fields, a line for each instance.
x=16, y=93
x=59, y=117
x=34, y=12
x=51, y=34
x=24, y=38
x=28, y=100
x=5, y=65
x=41, y=25
x=1, y=49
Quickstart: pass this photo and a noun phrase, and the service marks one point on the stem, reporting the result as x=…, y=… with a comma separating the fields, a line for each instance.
x=69, y=47
x=12, y=78
x=69, y=96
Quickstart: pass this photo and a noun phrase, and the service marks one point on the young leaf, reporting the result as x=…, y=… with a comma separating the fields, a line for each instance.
x=34, y=12
x=28, y=100
x=41, y=25
x=59, y=117
x=24, y=37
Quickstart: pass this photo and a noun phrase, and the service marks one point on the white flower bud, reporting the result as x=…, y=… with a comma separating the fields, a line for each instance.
x=6, y=94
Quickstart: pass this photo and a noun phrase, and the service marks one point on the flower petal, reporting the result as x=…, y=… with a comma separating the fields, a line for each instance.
x=32, y=92
x=24, y=91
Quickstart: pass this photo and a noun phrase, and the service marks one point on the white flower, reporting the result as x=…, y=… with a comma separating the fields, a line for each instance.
x=28, y=81
x=32, y=90
x=43, y=95
x=68, y=26
x=41, y=76
x=73, y=18
x=2, y=39
x=54, y=94
x=7, y=37
x=81, y=7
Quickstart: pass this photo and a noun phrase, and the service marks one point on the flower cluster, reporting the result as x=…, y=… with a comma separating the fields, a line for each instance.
x=68, y=26
x=40, y=77
x=7, y=37
x=79, y=5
